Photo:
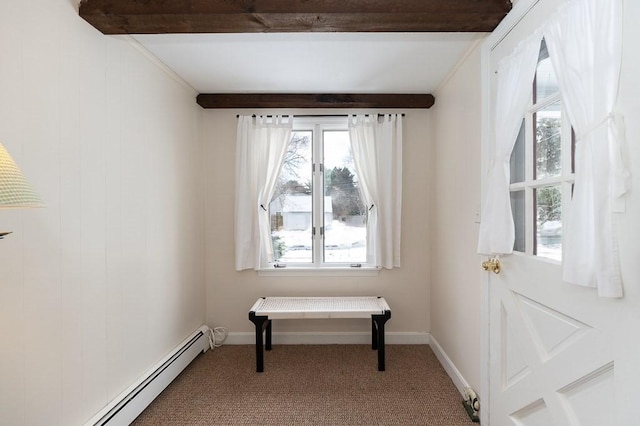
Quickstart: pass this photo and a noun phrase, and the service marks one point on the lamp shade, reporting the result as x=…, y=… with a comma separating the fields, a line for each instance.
x=15, y=191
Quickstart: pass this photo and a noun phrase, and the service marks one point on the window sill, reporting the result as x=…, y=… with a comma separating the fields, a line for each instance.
x=297, y=271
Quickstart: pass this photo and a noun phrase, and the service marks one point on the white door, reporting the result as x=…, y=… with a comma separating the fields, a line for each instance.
x=557, y=354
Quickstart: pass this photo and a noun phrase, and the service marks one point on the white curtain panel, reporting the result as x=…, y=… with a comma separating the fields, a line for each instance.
x=261, y=145
x=362, y=136
x=377, y=152
x=515, y=79
x=585, y=47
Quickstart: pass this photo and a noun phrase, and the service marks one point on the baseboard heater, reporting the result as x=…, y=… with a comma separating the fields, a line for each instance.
x=129, y=404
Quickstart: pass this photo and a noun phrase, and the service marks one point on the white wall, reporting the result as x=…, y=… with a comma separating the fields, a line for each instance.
x=628, y=223
x=104, y=281
x=629, y=106
x=455, y=272
x=230, y=294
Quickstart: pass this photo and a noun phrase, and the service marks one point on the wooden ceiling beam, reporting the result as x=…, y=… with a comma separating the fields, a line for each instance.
x=295, y=101
x=256, y=16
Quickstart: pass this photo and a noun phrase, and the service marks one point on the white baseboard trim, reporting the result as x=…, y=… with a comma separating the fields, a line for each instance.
x=329, y=338
x=457, y=378
x=123, y=409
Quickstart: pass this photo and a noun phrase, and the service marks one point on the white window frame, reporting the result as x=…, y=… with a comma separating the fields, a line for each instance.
x=317, y=125
x=565, y=180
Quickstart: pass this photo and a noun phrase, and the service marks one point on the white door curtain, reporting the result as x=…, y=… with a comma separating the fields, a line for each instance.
x=585, y=47
x=515, y=77
x=261, y=145
x=584, y=39
x=377, y=151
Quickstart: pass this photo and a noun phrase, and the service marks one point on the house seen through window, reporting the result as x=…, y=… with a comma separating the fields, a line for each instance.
x=317, y=215
x=542, y=168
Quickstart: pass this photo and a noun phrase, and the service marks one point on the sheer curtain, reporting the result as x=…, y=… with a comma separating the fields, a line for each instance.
x=377, y=153
x=515, y=79
x=585, y=47
x=260, y=149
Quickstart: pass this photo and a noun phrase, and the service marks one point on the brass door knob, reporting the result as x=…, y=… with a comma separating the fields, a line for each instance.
x=492, y=265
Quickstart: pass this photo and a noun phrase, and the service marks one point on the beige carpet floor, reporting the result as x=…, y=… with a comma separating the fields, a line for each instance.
x=310, y=385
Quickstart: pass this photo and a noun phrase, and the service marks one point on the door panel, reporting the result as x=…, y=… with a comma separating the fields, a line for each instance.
x=551, y=349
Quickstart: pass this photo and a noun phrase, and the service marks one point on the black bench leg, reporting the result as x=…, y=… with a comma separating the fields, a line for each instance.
x=268, y=336
x=374, y=334
x=378, y=336
x=261, y=323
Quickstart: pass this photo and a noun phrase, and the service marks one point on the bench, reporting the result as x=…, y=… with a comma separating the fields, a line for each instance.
x=267, y=309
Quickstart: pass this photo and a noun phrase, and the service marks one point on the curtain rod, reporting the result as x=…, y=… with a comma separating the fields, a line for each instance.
x=314, y=115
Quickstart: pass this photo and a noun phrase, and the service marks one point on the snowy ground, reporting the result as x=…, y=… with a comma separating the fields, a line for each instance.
x=343, y=243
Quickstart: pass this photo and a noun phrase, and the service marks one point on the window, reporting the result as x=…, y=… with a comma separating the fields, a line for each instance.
x=542, y=168
x=317, y=215
x=299, y=199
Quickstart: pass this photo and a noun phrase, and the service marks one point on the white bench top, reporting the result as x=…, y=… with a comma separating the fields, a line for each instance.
x=320, y=307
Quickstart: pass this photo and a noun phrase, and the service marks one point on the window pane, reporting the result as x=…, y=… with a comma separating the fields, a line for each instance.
x=291, y=207
x=518, y=158
x=548, y=126
x=548, y=202
x=518, y=212
x=546, y=83
x=345, y=215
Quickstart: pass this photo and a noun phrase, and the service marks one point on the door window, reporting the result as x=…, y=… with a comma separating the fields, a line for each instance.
x=542, y=169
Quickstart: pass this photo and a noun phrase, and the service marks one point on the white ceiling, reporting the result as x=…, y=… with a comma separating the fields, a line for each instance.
x=311, y=62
